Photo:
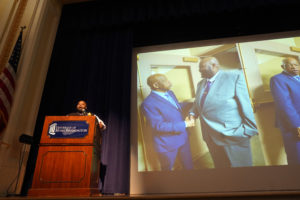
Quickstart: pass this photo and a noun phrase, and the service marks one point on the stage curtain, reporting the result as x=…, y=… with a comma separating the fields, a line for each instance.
x=95, y=66
x=91, y=59
x=168, y=21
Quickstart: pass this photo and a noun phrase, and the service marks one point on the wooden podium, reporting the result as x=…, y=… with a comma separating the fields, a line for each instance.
x=68, y=162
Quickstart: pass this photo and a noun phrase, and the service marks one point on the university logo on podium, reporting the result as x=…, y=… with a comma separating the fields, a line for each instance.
x=52, y=129
x=68, y=129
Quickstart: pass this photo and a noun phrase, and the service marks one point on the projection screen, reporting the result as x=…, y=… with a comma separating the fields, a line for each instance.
x=258, y=58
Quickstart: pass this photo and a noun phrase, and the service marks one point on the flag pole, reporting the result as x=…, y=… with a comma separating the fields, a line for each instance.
x=11, y=33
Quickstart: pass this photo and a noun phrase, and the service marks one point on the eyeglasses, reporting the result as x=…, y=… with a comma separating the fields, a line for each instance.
x=291, y=65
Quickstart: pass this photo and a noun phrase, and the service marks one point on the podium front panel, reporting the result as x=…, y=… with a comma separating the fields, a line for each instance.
x=64, y=168
x=68, y=161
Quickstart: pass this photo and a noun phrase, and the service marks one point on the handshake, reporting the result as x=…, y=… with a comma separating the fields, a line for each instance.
x=189, y=121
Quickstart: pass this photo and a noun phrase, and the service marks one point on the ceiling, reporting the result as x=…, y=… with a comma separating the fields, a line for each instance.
x=73, y=1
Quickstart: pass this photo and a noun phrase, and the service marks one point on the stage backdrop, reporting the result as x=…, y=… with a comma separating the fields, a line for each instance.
x=92, y=65
x=91, y=58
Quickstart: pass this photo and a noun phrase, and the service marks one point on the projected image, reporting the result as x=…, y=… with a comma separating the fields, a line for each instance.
x=221, y=106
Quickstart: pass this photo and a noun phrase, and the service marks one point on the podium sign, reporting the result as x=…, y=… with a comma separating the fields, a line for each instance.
x=68, y=129
x=68, y=161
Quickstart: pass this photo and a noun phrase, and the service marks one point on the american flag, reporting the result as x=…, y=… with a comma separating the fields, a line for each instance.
x=8, y=82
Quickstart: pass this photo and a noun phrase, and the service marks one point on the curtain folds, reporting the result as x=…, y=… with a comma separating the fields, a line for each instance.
x=91, y=59
x=96, y=67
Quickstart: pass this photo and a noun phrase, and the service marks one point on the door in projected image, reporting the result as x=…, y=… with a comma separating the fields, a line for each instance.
x=262, y=60
x=184, y=76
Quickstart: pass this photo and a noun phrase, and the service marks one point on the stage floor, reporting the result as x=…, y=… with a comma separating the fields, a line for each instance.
x=284, y=195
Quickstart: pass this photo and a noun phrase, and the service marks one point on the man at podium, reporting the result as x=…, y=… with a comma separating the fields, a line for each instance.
x=81, y=110
x=69, y=157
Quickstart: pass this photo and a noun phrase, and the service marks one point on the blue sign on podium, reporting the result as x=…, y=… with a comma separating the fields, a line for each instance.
x=68, y=129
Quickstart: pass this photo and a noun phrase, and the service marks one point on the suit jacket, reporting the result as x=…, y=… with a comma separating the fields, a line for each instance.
x=226, y=115
x=166, y=122
x=286, y=93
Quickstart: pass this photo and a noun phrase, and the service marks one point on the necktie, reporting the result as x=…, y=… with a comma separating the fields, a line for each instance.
x=171, y=100
x=208, y=84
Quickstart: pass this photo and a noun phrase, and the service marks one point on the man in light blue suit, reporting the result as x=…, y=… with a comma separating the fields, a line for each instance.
x=163, y=113
x=285, y=88
x=227, y=122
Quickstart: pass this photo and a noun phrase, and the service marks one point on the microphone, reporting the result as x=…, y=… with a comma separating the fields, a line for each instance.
x=83, y=111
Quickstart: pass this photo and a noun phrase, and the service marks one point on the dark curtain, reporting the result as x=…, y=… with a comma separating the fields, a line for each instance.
x=167, y=21
x=95, y=66
x=91, y=59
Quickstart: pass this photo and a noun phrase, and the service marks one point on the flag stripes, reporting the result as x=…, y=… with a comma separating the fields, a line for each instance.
x=8, y=82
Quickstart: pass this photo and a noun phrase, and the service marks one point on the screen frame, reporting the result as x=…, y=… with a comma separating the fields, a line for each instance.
x=260, y=180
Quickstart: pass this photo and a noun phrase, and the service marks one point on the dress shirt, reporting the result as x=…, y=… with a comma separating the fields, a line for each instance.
x=163, y=95
x=297, y=77
x=211, y=80
x=166, y=96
